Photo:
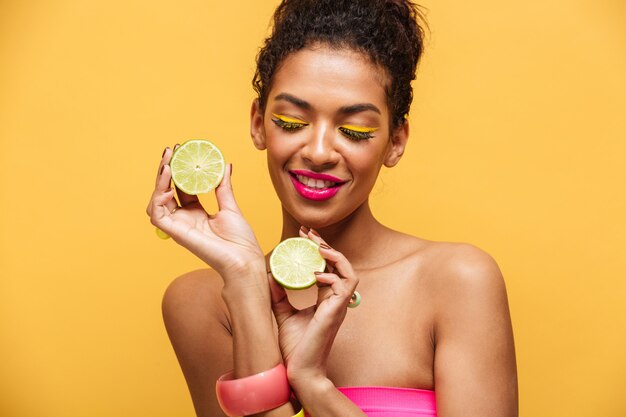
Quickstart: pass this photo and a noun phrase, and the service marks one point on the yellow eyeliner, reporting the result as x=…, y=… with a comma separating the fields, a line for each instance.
x=289, y=119
x=360, y=129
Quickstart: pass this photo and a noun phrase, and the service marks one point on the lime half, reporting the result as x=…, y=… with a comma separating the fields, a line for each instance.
x=294, y=261
x=197, y=166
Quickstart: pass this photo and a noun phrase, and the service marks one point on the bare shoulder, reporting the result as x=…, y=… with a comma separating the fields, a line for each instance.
x=189, y=282
x=475, y=371
x=197, y=283
x=460, y=269
x=445, y=264
x=192, y=292
x=196, y=321
x=464, y=284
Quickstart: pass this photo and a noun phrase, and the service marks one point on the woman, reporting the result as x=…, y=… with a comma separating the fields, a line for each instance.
x=333, y=85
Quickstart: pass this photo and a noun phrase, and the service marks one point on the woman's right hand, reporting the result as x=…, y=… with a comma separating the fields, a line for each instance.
x=224, y=240
x=307, y=336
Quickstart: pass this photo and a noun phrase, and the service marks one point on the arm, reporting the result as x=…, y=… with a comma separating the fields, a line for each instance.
x=306, y=336
x=255, y=346
x=226, y=243
x=475, y=372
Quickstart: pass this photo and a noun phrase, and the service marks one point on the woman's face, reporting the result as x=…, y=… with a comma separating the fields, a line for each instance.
x=327, y=134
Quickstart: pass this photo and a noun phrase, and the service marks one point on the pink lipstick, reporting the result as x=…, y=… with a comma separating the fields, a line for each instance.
x=315, y=186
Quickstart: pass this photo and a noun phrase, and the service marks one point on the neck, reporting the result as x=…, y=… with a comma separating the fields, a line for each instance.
x=358, y=237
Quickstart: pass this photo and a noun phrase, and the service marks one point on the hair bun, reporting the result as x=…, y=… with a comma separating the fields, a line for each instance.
x=387, y=31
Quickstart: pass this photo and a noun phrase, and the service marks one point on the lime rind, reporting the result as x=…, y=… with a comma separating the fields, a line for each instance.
x=197, y=166
x=160, y=233
x=294, y=262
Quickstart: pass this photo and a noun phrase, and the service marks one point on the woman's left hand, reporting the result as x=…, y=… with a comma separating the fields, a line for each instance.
x=224, y=240
x=306, y=336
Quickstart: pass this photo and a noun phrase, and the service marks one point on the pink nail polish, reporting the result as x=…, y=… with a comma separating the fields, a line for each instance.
x=165, y=150
x=161, y=171
x=324, y=246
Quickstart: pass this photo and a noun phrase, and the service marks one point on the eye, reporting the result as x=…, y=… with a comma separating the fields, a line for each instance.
x=357, y=133
x=288, y=123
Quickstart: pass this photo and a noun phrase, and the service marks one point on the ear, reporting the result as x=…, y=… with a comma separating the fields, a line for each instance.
x=257, y=129
x=397, y=143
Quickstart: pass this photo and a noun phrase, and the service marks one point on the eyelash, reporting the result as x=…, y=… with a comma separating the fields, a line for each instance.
x=354, y=135
x=350, y=134
x=289, y=126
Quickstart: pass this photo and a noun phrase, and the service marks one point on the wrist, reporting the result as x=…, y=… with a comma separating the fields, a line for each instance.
x=310, y=386
x=309, y=393
x=239, y=267
x=247, y=282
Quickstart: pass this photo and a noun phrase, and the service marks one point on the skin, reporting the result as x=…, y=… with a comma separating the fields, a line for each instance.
x=434, y=315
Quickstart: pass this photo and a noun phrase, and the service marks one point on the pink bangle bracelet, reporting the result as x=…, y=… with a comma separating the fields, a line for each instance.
x=253, y=394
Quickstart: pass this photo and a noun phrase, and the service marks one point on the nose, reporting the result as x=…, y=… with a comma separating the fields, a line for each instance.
x=319, y=150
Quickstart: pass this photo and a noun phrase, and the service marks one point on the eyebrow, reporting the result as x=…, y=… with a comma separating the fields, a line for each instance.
x=294, y=100
x=352, y=109
x=357, y=108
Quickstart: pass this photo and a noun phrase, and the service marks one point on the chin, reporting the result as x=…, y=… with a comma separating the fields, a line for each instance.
x=318, y=217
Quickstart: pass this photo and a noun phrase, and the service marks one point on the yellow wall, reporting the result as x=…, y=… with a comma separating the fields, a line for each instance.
x=518, y=145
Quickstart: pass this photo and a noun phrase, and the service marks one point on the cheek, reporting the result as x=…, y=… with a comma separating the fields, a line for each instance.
x=365, y=160
x=279, y=150
x=366, y=169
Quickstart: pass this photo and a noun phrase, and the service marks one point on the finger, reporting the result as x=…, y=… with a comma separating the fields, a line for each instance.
x=340, y=286
x=337, y=260
x=162, y=182
x=324, y=289
x=304, y=232
x=165, y=158
x=163, y=186
x=281, y=306
x=159, y=206
x=184, y=198
x=334, y=290
x=224, y=192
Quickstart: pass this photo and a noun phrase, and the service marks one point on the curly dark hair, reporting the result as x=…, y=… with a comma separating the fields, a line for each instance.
x=387, y=31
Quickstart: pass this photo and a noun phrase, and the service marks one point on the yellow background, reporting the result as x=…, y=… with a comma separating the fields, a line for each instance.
x=517, y=145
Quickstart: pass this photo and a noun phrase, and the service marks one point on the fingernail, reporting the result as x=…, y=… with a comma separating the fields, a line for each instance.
x=161, y=171
x=165, y=150
x=176, y=146
x=231, y=170
x=318, y=273
x=304, y=229
x=324, y=246
x=315, y=233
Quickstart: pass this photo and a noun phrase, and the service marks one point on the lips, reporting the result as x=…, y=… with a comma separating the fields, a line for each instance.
x=313, y=183
x=315, y=186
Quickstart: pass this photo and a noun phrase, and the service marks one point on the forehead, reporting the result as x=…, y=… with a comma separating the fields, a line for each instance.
x=328, y=77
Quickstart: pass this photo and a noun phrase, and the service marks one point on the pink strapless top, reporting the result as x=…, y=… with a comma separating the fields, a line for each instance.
x=391, y=401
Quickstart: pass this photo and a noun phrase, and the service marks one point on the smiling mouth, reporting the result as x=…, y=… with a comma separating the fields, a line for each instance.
x=316, y=184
